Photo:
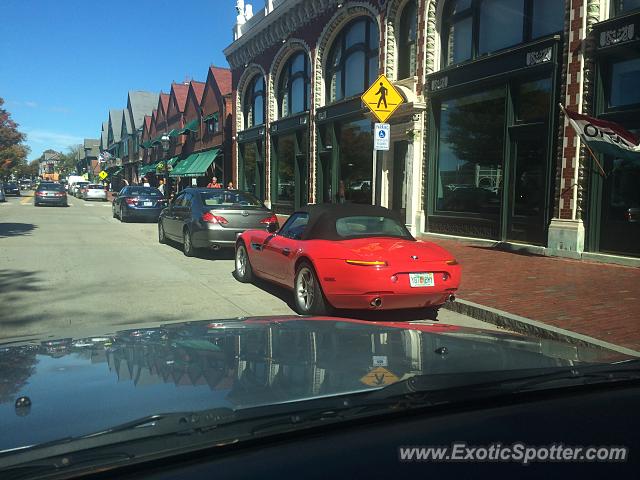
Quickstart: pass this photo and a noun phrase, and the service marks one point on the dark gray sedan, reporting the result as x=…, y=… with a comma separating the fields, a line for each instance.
x=50, y=194
x=211, y=218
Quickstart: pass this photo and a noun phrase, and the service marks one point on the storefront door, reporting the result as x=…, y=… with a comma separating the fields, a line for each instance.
x=399, y=185
x=526, y=197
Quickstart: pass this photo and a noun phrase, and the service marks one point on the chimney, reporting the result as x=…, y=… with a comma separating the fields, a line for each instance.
x=268, y=6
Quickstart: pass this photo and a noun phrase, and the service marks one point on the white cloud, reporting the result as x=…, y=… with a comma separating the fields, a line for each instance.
x=47, y=139
x=31, y=104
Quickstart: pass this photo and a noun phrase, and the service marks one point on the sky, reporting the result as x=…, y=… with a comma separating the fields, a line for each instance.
x=65, y=63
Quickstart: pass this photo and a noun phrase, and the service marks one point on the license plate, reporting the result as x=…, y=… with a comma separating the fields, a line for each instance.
x=50, y=194
x=148, y=204
x=421, y=279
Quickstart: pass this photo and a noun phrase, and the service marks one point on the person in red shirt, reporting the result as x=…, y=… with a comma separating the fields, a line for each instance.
x=214, y=183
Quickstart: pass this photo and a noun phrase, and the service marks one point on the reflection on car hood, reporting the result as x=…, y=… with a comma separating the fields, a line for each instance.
x=78, y=386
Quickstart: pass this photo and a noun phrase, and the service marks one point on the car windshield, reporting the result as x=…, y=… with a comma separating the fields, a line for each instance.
x=228, y=199
x=296, y=205
x=370, y=226
x=143, y=192
x=55, y=187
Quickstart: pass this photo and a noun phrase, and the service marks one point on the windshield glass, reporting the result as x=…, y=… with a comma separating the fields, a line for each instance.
x=56, y=187
x=143, y=191
x=228, y=199
x=370, y=226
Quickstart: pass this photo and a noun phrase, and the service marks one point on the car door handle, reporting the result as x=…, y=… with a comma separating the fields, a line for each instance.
x=286, y=251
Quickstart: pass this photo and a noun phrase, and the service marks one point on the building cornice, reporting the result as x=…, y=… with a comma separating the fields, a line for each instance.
x=264, y=31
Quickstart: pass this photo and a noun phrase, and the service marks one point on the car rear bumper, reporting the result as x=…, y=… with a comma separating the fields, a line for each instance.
x=216, y=237
x=96, y=196
x=50, y=201
x=142, y=212
x=388, y=300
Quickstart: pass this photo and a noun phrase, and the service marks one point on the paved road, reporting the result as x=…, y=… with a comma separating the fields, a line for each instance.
x=77, y=269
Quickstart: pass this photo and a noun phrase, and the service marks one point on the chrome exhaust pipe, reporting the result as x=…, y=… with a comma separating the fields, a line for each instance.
x=451, y=298
x=376, y=302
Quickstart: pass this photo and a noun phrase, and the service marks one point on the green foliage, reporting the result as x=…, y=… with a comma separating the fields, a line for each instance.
x=13, y=154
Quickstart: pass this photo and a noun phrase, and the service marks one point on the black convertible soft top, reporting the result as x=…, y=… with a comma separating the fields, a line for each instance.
x=322, y=219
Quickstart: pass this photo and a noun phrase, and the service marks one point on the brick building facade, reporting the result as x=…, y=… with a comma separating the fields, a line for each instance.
x=479, y=149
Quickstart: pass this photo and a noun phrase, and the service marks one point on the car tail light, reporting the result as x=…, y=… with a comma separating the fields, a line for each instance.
x=59, y=194
x=131, y=201
x=365, y=263
x=452, y=262
x=268, y=220
x=211, y=218
x=39, y=194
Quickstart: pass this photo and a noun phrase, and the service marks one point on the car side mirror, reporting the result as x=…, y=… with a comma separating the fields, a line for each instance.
x=272, y=227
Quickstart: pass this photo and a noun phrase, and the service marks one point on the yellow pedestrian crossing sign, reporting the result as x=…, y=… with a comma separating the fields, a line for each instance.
x=379, y=377
x=382, y=98
x=103, y=175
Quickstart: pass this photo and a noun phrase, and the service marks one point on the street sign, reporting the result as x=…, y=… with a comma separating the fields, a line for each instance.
x=382, y=134
x=103, y=175
x=382, y=98
x=379, y=377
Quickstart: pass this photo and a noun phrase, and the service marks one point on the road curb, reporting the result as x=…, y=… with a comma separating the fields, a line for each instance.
x=527, y=326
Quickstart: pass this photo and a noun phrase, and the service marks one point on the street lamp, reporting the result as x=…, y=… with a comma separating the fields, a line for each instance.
x=166, y=143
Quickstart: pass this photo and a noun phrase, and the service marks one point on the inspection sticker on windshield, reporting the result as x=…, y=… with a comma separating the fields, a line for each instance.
x=380, y=361
x=379, y=377
x=421, y=280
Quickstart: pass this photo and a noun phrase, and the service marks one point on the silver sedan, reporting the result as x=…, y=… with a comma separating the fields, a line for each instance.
x=94, y=191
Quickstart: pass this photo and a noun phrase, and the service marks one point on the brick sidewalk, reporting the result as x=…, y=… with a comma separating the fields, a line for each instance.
x=594, y=299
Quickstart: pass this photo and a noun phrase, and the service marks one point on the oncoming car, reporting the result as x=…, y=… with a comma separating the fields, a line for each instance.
x=349, y=257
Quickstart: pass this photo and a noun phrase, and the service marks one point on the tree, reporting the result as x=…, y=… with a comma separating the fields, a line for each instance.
x=12, y=152
x=68, y=161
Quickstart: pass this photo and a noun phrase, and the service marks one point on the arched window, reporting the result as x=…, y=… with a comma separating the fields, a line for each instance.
x=293, y=86
x=407, y=41
x=472, y=28
x=353, y=60
x=253, y=108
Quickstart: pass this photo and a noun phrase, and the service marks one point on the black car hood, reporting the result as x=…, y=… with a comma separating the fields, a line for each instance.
x=80, y=386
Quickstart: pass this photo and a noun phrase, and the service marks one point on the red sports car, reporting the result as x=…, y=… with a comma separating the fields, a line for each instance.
x=349, y=257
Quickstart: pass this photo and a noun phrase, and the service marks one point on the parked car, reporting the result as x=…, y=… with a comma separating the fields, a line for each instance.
x=75, y=188
x=349, y=257
x=2, y=196
x=12, y=188
x=212, y=218
x=25, y=184
x=50, y=194
x=94, y=191
x=140, y=203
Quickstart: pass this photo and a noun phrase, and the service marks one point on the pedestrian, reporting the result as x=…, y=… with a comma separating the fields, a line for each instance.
x=145, y=182
x=230, y=186
x=125, y=182
x=214, y=183
x=161, y=187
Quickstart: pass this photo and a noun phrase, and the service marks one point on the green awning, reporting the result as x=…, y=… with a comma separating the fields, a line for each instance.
x=210, y=116
x=200, y=166
x=117, y=172
x=192, y=126
x=174, y=133
x=144, y=169
x=172, y=161
x=147, y=144
x=182, y=167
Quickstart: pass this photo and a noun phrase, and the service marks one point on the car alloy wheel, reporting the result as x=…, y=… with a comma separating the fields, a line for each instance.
x=244, y=271
x=309, y=299
x=187, y=244
x=161, y=236
x=123, y=219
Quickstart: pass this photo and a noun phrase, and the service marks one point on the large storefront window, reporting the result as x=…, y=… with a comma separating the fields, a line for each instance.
x=355, y=162
x=253, y=108
x=285, y=173
x=470, y=153
x=624, y=80
x=294, y=86
x=407, y=41
x=251, y=169
x=353, y=60
x=474, y=28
